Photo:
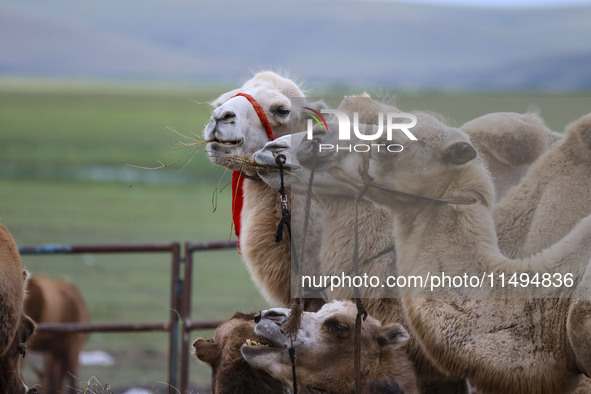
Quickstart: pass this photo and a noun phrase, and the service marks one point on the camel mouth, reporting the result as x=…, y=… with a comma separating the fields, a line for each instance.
x=318, y=160
x=252, y=348
x=225, y=143
x=309, y=155
x=255, y=343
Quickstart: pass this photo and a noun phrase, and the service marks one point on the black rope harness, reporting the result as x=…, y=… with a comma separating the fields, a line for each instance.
x=286, y=222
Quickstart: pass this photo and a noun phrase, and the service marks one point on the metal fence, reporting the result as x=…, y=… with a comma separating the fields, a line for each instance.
x=179, y=325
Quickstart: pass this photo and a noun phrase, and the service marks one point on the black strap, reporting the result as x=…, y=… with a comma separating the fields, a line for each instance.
x=292, y=357
x=361, y=311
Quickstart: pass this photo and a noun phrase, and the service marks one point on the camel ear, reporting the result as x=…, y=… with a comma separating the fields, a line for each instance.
x=26, y=277
x=207, y=351
x=28, y=327
x=224, y=97
x=392, y=334
x=459, y=153
x=317, y=105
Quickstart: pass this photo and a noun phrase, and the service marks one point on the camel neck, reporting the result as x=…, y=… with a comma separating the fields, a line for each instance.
x=462, y=235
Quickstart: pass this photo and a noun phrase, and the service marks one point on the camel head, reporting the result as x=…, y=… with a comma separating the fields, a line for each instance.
x=230, y=373
x=235, y=129
x=324, y=347
x=267, y=155
x=296, y=177
x=426, y=167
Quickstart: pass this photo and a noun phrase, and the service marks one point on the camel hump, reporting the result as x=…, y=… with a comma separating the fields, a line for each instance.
x=512, y=138
x=580, y=130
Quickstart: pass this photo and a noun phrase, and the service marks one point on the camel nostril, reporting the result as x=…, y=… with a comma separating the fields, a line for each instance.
x=32, y=391
x=225, y=117
x=275, y=316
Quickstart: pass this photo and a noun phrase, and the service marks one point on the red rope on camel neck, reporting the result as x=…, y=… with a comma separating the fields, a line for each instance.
x=237, y=178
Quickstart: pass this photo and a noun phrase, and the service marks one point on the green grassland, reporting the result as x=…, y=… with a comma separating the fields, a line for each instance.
x=46, y=129
x=55, y=138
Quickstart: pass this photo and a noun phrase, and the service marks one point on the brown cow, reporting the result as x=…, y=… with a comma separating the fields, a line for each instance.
x=15, y=326
x=56, y=301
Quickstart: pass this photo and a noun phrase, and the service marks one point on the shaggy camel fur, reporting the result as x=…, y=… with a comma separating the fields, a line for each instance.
x=15, y=326
x=509, y=143
x=57, y=301
x=324, y=351
x=374, y=236
x=551, y=196
x=375, y=239
x=512, y=345
x=235, y=132
x=229, y=372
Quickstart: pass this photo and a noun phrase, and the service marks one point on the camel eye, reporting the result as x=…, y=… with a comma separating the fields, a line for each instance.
x=337, y=327
x=281, y=112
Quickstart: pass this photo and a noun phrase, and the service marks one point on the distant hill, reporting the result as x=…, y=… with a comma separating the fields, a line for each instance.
x=334, y=42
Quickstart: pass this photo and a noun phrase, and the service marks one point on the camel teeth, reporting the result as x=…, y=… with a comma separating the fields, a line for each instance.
x=251, y=342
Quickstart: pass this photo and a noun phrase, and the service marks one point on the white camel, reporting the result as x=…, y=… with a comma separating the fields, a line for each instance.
x=504, y=345
x=233, y=134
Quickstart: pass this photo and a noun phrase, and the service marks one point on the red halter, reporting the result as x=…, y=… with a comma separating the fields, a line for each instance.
x=237, y=185
x=260, y=112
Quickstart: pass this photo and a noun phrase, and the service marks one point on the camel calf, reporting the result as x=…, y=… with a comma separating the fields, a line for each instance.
x=57, y=301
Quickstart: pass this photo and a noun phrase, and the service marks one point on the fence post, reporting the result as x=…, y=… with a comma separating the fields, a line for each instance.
x=175, y=305
x=186, y=316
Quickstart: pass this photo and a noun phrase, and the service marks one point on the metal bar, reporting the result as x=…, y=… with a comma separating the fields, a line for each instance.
x=180, y=298
x=187, y=324
x=203, y=324
x=199, y=246
x=175, y=308
x=102, y=327
x=186, y=316
x=77, y=249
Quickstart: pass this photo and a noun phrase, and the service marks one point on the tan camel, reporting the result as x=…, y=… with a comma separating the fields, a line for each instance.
x=15, y=327
x=512, y=345
x=509, y=143
x=324, y=351
x=551, y=196
x=375, y=242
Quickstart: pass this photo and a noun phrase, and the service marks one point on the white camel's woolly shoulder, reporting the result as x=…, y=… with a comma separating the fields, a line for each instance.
x=512, y=345
x=550, y=200
x=509, y=143
x=324, y=349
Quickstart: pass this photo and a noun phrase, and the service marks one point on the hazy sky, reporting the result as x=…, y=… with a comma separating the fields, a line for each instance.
x=504, y=3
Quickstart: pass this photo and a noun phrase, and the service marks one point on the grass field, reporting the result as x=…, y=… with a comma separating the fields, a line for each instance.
x=51, y=141
x=65, y=179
